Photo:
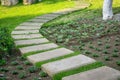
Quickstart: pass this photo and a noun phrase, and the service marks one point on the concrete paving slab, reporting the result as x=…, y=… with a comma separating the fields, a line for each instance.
x=49, y=55
x=25, y=32
x=27, y=36
x=101, y=73
x=31, y=41
x=66, y=64
x=37, y=48
x=27, y=28
x=32, y=24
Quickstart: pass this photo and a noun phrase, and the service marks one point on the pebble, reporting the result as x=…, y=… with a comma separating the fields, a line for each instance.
x=2, y=75
x=39, y=78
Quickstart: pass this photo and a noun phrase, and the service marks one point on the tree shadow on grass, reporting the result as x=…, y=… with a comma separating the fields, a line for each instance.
x=12, y=22
x=116, y=10
x=52, y=1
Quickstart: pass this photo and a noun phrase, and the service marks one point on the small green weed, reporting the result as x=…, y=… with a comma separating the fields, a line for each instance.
x=42, y=74
x=118, y=63
x=32, y=69
x=14, y=63
x=22, y=75
x=2, y=62
x=14, y=72
x=4, y=70
x=115, y=55
x=116, y=50
x=19, y=67
x=95, y=55
x=27, y=63
x=107, y=58
x=105, y=52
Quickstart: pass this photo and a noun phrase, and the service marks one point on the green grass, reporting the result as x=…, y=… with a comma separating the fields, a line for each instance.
x=36, y=52
x=10, y=17
x=60, y=75
x=94, y=10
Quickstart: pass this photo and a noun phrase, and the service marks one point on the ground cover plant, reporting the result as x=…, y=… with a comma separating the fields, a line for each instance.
x=86, y=32
x=18, y=68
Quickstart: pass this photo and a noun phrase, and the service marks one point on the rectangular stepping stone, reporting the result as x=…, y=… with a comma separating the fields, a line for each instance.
x=39, y=20
x=58, y=12
x=27, y=27
x=49, y=55
x=52, y=15
x=38, y=48
x=102, y=73
x=27, y=36
x=32, y=24
x=66, y=64
x=25, y=32
x=46, y=17
x=49, y=16
x=31, y=41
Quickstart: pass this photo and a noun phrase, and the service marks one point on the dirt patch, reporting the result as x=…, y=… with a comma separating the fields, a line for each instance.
x=105, y=49
x=93, y=37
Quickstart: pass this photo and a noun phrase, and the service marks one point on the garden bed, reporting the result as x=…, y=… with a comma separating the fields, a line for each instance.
x=90, y=36
x=18, y=68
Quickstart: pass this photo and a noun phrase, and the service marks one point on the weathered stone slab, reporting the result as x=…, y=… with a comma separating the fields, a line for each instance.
x=32, y=24
x=49, y=15
x=31, y=41
x=27, y=36
x=59, y=12
x=38, y=48
x=66, y=64
x=39, y=20
x=49, y=55
x=46, y=17
x=27, y=27
x=25, y=32
x=102, y=73
x=52, y=14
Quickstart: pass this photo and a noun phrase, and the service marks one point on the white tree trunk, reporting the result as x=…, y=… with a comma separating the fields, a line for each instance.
x=107, y=10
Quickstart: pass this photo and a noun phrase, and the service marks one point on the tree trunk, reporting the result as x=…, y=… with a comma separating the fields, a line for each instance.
x=9, y=2
x=107, y=10
x=29, y=2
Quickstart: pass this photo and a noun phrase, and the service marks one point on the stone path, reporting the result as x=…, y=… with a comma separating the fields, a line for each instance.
x=50, y=54
x=66, y=64
x=31, y=41
x=27, y=35
x=102, y=73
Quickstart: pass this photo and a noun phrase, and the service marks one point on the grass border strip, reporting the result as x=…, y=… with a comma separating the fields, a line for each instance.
x=38, y=64
x=36, y=52
x=60, y=75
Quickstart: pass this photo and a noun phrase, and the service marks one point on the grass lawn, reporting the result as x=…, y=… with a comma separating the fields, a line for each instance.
x=10, y=17
x=85, y=32
x=14, y=67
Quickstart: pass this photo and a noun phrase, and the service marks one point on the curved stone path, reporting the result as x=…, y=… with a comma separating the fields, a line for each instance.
x=28, y=37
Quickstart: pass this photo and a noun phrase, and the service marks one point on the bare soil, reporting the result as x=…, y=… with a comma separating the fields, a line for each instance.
x=16, y=57
x=102, y=48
